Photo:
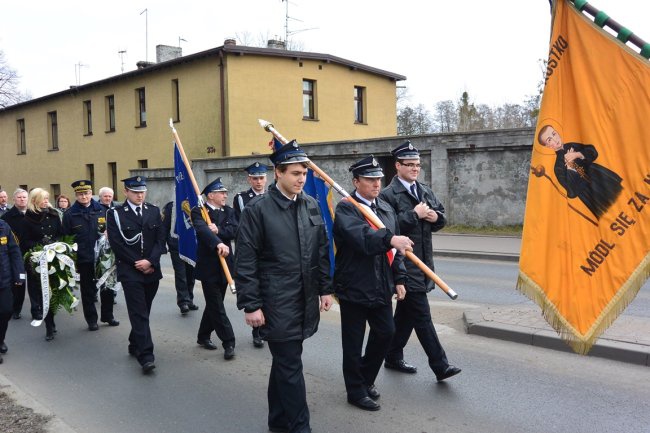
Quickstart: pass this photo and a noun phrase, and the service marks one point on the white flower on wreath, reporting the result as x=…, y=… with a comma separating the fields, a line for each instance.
x=62, y=283
x=50, y=255
x=60, y=247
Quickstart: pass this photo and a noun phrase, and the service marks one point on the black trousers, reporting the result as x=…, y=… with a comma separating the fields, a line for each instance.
x=414, y=312
x=35, y=292
x=286, y=393
x=214, y=315
x=359, y=372
x=183, y=280
x=6, y=309
x=139, y=297
x=18, y=292
x=88, y=290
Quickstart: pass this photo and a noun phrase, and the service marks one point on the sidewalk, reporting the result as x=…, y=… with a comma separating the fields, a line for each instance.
x=627, y=340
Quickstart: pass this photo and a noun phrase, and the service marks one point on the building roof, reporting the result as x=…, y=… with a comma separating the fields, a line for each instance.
x=225, y=49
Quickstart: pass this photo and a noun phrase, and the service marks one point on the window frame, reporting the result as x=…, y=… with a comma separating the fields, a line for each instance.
x=309, y=105
x=53, y=131
x=21, y=137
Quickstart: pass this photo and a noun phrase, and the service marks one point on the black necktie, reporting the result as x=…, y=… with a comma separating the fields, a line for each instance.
x=414, y=191
x=373, y=206
x=137, y=211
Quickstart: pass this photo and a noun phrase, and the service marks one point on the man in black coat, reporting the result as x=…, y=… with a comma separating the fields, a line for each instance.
x=214, y=241
x=257, y=180
x=12, y=273
x=419, y=213
x=86, y=220
x=137, y=238
x=15, y=217
x=367, y=274
x=282, y=275
x=183, y=271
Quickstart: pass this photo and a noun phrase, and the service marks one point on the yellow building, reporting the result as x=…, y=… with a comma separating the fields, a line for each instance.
x=103, y=129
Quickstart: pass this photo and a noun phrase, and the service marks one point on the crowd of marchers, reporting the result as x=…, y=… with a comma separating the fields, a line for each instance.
x=281, y=268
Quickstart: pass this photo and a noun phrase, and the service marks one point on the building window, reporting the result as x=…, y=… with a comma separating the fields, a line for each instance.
x=112, y=169
x=110, y=113
x=55, y=191
x=141, y=121
x=309, y=99
x=53, y=127
x=143, y=163
x=22, y=143
x=176, y=108
x=359, y=102
x=88, y=118
x=90, y=173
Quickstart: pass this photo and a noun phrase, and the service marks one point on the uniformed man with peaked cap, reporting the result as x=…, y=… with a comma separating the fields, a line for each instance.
x=419, y=213
x=366, y=276
x=214, y=241
x=282, y=275
x=257, y=180
x=83, y=220
x=137, y=238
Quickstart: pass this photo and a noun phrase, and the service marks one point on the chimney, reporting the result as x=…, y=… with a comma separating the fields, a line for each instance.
x=230, y=41
x=277, y=44
x=142, y=64
x=166, y=52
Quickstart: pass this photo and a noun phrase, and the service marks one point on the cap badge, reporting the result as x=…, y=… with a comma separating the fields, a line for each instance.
x=374, y=162
x=410, y=146
x=257, y=164
x=139, y=179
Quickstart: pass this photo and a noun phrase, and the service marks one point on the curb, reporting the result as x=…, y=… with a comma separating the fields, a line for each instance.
x=604, y=348
x=478, y=255
x=54, y=425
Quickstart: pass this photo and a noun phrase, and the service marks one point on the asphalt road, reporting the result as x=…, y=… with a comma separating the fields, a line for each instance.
x=88, y=380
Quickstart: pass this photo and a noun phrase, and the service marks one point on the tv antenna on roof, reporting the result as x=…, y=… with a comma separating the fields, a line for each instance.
x=122, y=53
x=77, y=72
x=288, y=32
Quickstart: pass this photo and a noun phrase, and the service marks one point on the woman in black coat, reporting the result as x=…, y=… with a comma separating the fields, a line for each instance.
x=42, y=226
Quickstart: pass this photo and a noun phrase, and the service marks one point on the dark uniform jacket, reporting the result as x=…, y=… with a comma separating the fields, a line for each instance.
x=208, y=265
x=149, y=247
x=172, y=242
x=85, y=224
x=418, y=230
x=41, y=228
x=16, y=220
x=362, y=274
x=282, y=264
x=241, y=200
x=12, y=270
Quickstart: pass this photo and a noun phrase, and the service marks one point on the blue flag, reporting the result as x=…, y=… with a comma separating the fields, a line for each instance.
x=186, y=199
x=317, y=188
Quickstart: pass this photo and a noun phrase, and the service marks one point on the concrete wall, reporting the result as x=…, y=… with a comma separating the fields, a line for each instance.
x=480, y=177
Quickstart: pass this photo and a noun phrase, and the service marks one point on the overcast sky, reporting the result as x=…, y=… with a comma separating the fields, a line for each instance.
x=489, y=48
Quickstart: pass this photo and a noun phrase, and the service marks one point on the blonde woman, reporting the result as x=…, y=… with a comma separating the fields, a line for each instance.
x=42, y=226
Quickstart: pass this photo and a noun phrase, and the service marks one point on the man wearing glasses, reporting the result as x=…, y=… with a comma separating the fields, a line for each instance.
x=419, y=213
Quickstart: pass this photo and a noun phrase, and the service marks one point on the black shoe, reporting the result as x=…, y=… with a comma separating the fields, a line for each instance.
x=229, y=352
x=17, y=316
x=193, y=307
x=3, y=347
x=207, y=344
x=449, y=372
x=401, y=366
x=49, y=335
x=184, y=309
x=373, y=393
x=148, y=367
x=111, y=322
x=275, y=429
x=93, y=327
x=258, y=342
x=365, y=403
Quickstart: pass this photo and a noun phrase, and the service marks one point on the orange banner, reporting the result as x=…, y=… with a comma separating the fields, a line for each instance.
x=586, y=232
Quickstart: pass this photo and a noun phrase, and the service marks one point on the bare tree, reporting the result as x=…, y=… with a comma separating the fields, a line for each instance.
x=9, y=92
x=446, y=118
x=414, y=121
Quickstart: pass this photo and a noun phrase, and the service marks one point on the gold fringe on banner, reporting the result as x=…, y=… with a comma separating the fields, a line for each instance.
x=582, y=344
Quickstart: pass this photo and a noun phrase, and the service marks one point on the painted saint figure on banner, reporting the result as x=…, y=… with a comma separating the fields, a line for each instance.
x=596, y=186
